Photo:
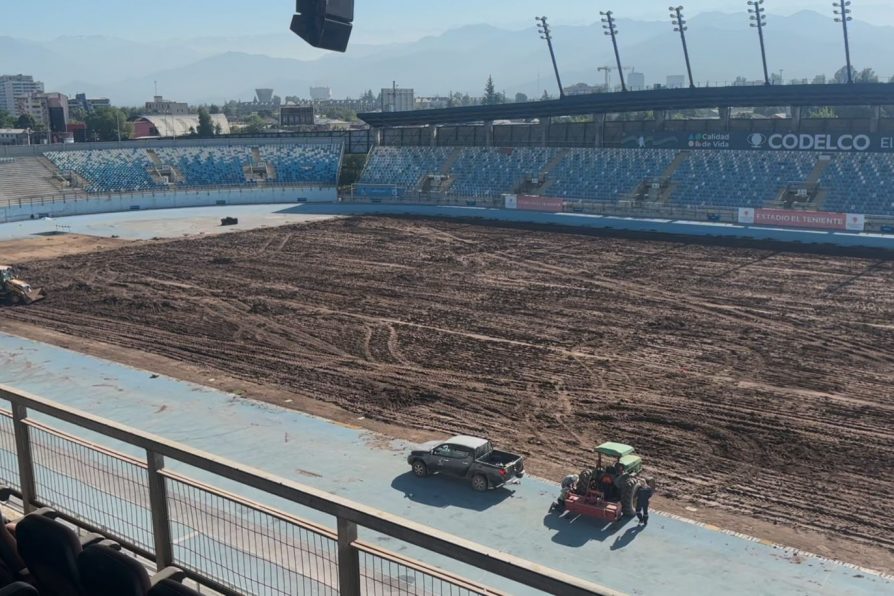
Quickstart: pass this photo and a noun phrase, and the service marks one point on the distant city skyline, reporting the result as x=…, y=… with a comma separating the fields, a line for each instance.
x=377, y=21
x=218, y=67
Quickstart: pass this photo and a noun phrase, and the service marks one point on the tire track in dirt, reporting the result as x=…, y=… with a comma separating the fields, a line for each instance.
x=746, y=384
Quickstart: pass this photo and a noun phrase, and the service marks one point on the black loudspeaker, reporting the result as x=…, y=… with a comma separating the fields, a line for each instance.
x=325, y=24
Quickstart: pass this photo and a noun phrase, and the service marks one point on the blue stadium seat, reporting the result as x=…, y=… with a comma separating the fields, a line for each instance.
x=737, y=178
x=110, y=170
x=860, y=184
x=304, y=164
x=489, y=172
x=606, y=174
x=208, y=166
x=403, y=167
x=127, y=170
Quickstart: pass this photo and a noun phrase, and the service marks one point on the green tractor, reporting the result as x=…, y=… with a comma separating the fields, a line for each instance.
x=616, y=476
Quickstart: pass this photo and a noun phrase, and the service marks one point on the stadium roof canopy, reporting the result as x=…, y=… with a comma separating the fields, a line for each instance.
x=637, y=101
x=179, y=125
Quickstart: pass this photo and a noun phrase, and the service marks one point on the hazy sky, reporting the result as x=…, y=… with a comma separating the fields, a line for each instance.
x=377, y=21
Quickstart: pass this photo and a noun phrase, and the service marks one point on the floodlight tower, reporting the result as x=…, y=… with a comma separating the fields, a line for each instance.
x=608, y=23
x=545, y=33
x=676, y=14
x=759, y=21
x=842, y=15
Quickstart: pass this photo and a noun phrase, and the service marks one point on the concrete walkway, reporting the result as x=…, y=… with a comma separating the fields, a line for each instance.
x=671, y=556
x=161, y=223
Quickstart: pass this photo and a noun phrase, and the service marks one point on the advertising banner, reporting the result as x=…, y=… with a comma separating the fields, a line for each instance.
x=534, y=203
x=511, y=201
x=855, y=222
x=746, y=215
x=817, y=220
x=822, y=142
x=377, y=192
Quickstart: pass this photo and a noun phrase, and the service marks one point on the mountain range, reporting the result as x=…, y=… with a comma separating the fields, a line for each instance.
x=214, y=69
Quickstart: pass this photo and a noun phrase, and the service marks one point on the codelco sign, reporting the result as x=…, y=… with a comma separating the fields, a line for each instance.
x=808, y=142
x=817, y=220
x=831, y=143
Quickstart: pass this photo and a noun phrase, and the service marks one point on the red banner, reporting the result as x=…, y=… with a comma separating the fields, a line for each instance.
x=534, y=203
x=817, y=220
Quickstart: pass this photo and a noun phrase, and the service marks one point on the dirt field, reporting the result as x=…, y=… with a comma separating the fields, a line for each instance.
x=44, y=247
x=752, y=381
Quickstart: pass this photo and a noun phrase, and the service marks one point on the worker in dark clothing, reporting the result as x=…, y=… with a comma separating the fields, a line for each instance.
x=642, y=501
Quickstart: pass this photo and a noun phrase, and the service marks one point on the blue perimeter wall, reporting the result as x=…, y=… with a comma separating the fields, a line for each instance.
x=662, y=226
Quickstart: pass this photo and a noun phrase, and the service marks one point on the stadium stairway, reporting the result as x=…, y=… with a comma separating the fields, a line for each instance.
x=814, y=178
x=782, y=200
x=451, y=159
x=425, y=183
x=667, y=185
x=547, y=169
x=154, y=157
x=161, y=172
x=27, y=177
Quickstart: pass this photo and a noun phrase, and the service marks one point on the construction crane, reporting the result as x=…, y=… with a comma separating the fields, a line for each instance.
x=608, y=75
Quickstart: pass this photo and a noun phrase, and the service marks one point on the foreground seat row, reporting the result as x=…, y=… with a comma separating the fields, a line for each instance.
x=45, y=556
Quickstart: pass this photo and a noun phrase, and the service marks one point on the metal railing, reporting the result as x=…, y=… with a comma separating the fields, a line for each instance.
x=325, y=137
x=628, y=207
x=226, y=541
x=223, y=189
x=625, y=207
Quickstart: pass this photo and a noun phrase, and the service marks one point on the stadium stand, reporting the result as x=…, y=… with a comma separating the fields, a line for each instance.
x=303, y=164
x=860, y=184
x=606, y=174
x=857, y=183
x=124, y=170
x=402, y=166
x=207, y=166
x=488, y=172
x=25, y=177
x=110, y=170
x=737, y=178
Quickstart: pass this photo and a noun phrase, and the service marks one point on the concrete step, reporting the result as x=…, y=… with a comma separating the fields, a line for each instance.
x=451, y=159
x=28, y=177
x=549, y=167
x=672, y=167
x=818, y=169
x=154, y=157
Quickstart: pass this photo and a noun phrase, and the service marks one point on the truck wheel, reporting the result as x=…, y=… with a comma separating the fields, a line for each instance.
x=420, y=469
x=479, y=483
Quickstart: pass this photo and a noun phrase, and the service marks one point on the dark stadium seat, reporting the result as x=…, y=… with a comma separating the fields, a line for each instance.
x=19, y=589
x=12, y=567
x=105, y=571
x=50, y=550
x=169, y=587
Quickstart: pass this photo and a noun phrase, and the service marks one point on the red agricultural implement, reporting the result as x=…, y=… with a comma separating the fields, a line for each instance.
x=606, y=491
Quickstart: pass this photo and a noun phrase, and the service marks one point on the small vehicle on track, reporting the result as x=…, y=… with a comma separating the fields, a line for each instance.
x=608, y=490
x=467, y=457
x=15, y=291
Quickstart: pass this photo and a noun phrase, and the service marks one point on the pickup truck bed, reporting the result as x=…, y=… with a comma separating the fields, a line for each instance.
x=467, y=457
x=498, y=458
